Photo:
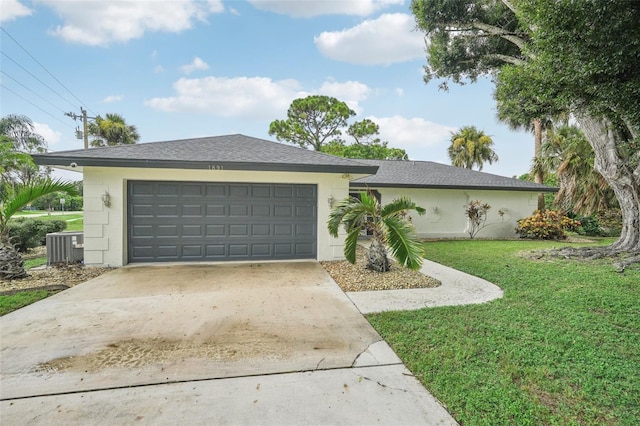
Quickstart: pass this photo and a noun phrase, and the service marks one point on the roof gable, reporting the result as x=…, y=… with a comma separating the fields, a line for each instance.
x=427, y=174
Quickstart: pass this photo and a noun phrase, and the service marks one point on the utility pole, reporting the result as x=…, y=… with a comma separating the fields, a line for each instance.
x=85, y=126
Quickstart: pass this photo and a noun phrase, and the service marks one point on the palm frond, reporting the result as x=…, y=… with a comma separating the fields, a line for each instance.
x=25, y=194
x=403, y=243
x=400, y=205
x=350, y=245
x=350, y=213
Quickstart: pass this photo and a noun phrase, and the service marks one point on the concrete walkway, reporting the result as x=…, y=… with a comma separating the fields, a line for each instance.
x=458, y=288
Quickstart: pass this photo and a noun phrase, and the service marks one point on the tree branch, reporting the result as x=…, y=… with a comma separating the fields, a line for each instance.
x=509, y=5
x=506, y=58
x=491, y=29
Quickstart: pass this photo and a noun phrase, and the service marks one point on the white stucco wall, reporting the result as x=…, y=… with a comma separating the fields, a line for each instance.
x=105, y=228
x=445, y=217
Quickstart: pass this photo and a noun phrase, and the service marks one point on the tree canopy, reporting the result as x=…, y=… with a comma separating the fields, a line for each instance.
x=112, y=130
x=319, y=121
x=312, y=122
x=571, y=56
x=470, y=147
x=18, y=139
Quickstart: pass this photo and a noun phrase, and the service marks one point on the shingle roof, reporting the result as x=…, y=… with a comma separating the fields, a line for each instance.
x=427, y=174
x=230, y=152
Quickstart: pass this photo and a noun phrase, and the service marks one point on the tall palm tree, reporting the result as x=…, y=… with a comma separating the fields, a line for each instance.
x=112, y=130
x=471, y=147
x=388, y=224
x=583, y=190
x=11, y=263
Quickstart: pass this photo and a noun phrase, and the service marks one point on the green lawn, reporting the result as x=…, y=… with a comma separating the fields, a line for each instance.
x=561, y=347
x=10, y=303
x=75, y=220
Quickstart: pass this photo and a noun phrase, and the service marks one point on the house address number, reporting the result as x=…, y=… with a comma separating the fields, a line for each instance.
x=216, y=167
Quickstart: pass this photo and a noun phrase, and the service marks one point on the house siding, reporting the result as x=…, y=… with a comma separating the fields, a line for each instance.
x=105, y=242
x=445, y=216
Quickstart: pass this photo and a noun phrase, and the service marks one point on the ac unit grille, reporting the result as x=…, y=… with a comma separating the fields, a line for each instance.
x=65, y=247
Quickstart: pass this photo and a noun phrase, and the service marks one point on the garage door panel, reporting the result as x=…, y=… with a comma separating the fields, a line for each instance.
x=167, y=230
x=166, y=190
x=261, y=210
x=166, y=210
x=216, y=210
x=282, y=211
x=192, y=210
x=240, y=191
x=238, y=210
x=216, y=190
x=215, y=231
x=283, y=191
x=305, y=211
x=192, y=250
x=261, y=191
x=173, y=221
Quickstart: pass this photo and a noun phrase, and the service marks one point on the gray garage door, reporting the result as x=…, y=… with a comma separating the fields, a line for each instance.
x=191, y=221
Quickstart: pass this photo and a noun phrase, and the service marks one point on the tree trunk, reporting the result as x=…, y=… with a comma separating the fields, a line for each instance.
x=11, y=263
x=377, y=259
x=539, y=177
x=619, y=174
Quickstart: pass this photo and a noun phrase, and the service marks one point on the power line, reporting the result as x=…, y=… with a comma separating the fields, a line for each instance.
x=31, y=74
x=37, y=94
x=37, y=106
x=45, y=68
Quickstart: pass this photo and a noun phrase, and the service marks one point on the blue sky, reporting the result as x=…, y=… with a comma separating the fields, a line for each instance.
x=184, y=68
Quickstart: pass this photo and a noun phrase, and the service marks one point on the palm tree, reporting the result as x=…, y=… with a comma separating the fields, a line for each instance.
x=11, y=263
x=389, y=226
x=471, y=147
x=112, y=130
x=582, y=190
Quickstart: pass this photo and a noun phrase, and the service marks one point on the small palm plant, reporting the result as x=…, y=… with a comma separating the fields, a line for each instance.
x=389, y=226
x=11, y=263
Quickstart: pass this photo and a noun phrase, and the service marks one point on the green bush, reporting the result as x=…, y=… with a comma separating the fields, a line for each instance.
x=546, y=225
x=28, y=233
x=589, y=226
x=610, y=222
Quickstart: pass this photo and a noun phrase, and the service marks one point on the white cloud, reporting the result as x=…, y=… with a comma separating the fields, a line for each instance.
x=414, y=135
x=388, y=39
x=247, y=97
x=158, y=69
x=51, y=136
x=102, y=22
x=197, y=64
x=12, y=9
x=112, y=98
x=250, y=97
x=309, y=8
x=350, y=92
x=399, y=91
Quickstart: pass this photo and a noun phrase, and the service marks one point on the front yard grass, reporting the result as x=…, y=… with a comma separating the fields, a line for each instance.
x=561, y=347
x=12, y=302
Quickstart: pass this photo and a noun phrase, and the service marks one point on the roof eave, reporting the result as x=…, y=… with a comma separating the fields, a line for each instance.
x=483, y=187
x=72, y=161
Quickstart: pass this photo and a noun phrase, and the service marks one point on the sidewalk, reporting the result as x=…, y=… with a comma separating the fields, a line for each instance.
x=458, y=288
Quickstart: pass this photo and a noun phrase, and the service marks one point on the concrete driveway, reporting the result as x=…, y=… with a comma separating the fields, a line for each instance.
x=271, y=343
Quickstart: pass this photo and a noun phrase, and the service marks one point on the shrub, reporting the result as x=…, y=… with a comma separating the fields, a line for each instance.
x=546, y=225
x=610, y=222
x=476, y=212
x=589, y=226
x=28, y=233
